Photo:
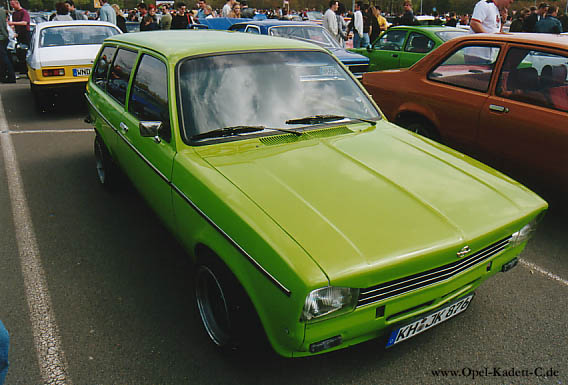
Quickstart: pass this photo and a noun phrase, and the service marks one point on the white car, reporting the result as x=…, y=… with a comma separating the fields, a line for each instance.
x=61, y=55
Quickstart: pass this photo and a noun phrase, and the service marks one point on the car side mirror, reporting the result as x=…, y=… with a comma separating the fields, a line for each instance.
x=149, y=128
x=369, y=48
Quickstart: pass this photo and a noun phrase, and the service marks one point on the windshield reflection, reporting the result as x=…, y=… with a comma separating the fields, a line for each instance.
x=266, y=88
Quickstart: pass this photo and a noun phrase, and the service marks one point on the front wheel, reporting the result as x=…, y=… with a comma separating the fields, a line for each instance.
x=226, y=312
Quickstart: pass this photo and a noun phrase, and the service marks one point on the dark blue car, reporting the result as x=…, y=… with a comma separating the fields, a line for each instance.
x=310, y=32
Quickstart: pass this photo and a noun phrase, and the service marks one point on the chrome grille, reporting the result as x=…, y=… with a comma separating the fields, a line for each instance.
x=430, y=277
x=358, y=68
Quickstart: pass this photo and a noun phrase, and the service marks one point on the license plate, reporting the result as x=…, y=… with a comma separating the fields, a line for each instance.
x=429, y=321
x=81, y=71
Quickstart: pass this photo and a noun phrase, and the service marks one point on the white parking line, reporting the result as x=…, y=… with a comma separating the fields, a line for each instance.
x=69, y=131
x=50, y=356
x=539, y=269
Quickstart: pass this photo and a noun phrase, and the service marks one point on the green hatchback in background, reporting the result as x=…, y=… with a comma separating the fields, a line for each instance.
x=314, y=223
x=402, y=46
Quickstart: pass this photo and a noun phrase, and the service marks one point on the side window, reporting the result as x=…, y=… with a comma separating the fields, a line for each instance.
x=103, y=64
x=469, y=67
x=419, y=43
x=535, y=77
x=253, y=29
x=391, y=41
x=120, y=74
x=149, y=96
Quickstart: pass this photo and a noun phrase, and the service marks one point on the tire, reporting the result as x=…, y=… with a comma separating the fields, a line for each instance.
x=421, y=127
x=104, y=165
x=40, y=99
x=224, y=309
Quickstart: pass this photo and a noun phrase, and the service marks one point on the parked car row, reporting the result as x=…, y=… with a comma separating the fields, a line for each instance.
x=314, y=223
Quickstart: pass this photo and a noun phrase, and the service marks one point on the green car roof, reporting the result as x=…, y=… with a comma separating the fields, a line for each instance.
x=182, y=43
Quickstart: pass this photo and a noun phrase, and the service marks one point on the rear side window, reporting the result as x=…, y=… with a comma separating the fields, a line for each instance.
x=120, y=74
x=419, y=43
x=149, y=95
x=469, y=67
x=103, y=64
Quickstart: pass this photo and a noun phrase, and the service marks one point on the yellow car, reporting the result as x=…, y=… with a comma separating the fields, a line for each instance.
x=62, y=53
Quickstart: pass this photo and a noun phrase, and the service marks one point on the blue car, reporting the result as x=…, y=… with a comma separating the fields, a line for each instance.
x=310, y=32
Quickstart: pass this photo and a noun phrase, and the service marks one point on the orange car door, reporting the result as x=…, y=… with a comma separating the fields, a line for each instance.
x=522, y=126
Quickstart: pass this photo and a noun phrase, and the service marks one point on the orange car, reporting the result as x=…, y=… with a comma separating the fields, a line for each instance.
x=502, y=98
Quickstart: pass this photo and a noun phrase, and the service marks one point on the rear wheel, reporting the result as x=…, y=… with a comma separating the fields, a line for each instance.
x=106, y=170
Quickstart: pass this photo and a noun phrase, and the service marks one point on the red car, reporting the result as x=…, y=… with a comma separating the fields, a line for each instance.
x=502, y=98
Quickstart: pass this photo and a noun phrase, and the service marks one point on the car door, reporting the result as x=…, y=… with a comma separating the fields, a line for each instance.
x=457, y=88
x=102, y=101
x=522, y=127
x=148, y=157
x=416, y=47
x=385, y=53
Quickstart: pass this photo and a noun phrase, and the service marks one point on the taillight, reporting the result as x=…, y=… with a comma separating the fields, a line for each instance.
x=53, y=72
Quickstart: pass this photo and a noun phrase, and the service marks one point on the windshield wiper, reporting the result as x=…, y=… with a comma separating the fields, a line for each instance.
x=317, y=119
x=236, y=130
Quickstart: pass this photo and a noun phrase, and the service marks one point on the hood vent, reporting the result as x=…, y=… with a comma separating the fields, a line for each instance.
x=313, y=134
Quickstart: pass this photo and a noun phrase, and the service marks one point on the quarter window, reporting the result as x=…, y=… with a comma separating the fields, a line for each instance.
x=419, y=43
x=149, y=95
x=103, y=64
x=535, y=77
x=469, y=67
x=120, y=74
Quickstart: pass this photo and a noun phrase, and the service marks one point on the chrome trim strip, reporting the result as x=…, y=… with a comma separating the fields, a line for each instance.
x=441, y=275
x=196, y=208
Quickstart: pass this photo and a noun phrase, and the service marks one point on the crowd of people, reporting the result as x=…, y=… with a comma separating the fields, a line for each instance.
x=364, y=24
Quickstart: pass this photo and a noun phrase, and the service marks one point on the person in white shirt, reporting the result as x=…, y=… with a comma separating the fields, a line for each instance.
x=357, y=25
x=486, y=16
x=227, y=8
x=330, y=20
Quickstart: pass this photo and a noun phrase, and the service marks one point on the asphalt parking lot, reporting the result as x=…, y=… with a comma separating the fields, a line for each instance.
x=115, y=288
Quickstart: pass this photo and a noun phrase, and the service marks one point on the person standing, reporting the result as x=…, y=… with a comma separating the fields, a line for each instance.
x=518, y=20
x=341, y=24
x=202, y=4
x=534, y=17
x=383, y=24
x=452, y=21
x=62, y=13
x=166, y=20
x=7, y=74
x=330, y=20
x=227, y=8
x=74, y=13
x=408, y=16
x=486, y=16
x=374, y=22
x=182, y=18
x=357, y=25
x=4, y=346
x=106, y=13
x=549, y=24
x=21, y=22
x=120, y=20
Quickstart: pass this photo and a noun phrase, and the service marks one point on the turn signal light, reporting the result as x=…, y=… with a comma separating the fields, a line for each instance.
x=53, y=72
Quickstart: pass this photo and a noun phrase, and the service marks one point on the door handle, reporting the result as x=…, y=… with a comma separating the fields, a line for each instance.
x=123, y=127
x=496, y=108
x=394, y=55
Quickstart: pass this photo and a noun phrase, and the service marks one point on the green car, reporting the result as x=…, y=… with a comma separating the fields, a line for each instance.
x=402, y=46
x=314, y=224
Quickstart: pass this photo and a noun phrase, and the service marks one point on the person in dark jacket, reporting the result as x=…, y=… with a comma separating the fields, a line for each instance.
x=534, y=17
x=408, y=17
x=518, y=20
x=182, y=18
x=120, y=20
x=549, y=24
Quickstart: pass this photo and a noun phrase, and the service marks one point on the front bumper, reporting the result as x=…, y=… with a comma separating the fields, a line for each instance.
x=374, y=320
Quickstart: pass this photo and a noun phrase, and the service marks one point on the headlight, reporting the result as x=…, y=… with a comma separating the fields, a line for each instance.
x=328, y=300
x=523, y=234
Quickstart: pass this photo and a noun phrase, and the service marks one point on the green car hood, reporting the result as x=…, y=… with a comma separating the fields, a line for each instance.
x=371, y=198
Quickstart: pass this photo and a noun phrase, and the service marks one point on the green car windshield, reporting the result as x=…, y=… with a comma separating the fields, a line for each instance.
x=266, y=89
